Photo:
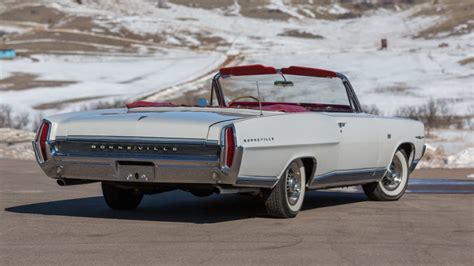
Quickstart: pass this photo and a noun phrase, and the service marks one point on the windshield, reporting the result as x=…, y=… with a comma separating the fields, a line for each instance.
x=299, y=90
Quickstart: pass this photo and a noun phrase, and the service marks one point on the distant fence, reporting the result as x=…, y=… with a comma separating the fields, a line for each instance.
x=7, y=53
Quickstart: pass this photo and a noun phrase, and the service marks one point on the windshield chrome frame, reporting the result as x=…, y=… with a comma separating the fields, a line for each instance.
x=351, y=95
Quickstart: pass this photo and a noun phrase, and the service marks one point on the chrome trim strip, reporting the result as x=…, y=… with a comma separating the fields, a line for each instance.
x=413, y=165
x=353, y=100
x=257, y=181
x=141, y=157
x=137, y=139
x=37, y=152
x=132, y=149
x=347, y=177
x=415, y=162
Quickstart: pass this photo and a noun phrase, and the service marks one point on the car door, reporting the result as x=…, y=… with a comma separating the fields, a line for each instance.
x=358, y=141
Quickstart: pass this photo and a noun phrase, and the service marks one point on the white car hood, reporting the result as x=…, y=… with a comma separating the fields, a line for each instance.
x=189, y=123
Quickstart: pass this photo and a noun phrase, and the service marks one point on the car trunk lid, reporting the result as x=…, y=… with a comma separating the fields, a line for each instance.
x=187, y=124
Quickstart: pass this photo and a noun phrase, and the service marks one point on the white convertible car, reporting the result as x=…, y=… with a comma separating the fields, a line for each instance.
x=264, y=131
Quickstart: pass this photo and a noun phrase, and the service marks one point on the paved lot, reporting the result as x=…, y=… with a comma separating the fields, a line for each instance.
x=42, y=223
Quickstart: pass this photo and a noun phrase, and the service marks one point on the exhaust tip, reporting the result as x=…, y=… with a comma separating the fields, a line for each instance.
x=70, y=182
x=61, y=182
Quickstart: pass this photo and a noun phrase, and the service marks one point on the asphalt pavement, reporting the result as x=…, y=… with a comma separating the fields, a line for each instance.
x=44, y=224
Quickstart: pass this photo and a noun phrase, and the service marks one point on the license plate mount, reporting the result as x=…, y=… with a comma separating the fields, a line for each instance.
x=136, y=171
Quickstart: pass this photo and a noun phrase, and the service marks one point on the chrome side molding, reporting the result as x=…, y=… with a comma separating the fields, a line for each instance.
x=257, y=181
x=347, y=177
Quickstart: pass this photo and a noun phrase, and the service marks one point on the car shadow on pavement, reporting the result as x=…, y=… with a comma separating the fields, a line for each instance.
x=179, y=206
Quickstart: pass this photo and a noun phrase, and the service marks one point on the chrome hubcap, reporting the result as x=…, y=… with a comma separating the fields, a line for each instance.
x=393, y=177
x=293, y=184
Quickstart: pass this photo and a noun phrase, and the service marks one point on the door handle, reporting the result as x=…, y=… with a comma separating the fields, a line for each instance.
x=341, y=124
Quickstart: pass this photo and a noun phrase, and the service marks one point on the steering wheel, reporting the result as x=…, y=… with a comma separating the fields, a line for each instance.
x=243, y=97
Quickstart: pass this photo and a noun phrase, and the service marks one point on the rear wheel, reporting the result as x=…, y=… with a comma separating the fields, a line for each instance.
x=121, y=198
x=286, y=198
x=393, y=185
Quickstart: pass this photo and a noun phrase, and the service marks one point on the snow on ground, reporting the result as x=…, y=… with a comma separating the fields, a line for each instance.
x=393, y=79
x=452, y=141
x=337, y=9
x=463, y=159
x=449, y=148
x=281, y=6
x=99, y=77
x=4, y=29
x=409, y=72
x=16, y=144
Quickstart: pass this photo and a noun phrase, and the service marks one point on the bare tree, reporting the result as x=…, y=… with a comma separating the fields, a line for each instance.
x=5, y=115
x=21, y=121
x=162, y=4
x=433, y=114
x=37, y=122
x=371, y=109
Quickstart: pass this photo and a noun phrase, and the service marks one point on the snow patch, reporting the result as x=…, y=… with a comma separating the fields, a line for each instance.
x=98, y=77
x=16, y=144
x=336, y=9
x=464, y=159
x=281, y=6
x=4, y=29
x=449, y=148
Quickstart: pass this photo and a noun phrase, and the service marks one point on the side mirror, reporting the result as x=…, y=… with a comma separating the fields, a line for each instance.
x=202, y=102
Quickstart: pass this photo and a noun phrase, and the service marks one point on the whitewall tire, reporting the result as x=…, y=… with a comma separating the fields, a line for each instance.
x=393, y=184
x=286, y=198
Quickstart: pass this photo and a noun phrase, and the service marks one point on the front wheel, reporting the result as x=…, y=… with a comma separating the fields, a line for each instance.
x=118, y=198
x=286, y=198
x=393, y=185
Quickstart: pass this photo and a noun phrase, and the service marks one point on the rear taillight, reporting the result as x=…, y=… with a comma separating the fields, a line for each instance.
x=42, y=138
x=229, y=146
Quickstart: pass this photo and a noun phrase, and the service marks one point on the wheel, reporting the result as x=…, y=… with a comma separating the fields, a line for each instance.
x=393, y=185
x=286, y=198
x=120, y=198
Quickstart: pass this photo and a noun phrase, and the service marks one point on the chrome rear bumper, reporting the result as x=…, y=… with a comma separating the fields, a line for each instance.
x=162, y=168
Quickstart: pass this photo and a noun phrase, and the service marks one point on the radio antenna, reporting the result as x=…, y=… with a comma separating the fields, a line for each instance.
x=259, y=101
